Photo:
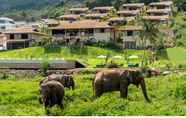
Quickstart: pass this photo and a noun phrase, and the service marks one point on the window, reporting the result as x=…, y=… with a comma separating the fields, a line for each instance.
x=2, y=21
x=24, y=36
x=11, y=36
x=102, y=30
x=129, y=33
x=11, y=22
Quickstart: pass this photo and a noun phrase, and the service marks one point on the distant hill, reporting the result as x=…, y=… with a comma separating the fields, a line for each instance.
x=25, y=4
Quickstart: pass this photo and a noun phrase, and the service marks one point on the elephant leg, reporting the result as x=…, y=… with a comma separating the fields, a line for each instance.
x=47, y=110
x=62, y=105
x=40, y=100
x=124, y=92
x=97, y=90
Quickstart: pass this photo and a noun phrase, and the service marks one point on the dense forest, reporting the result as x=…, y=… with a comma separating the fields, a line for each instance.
x=32, y=10
x=35, y=9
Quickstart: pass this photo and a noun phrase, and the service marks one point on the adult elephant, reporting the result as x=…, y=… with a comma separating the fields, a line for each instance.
x=51, y=93
x=65, y=80
x=118, y=80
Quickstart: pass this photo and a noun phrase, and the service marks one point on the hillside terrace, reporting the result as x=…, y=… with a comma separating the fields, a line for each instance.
x=98, y=24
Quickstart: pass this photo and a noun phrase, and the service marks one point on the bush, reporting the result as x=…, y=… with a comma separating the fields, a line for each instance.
x=180, y=91
x=45, y=66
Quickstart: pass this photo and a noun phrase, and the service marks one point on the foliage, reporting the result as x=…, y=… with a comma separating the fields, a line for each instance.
x=45, y=65
x=20, y=97
x=179, y=29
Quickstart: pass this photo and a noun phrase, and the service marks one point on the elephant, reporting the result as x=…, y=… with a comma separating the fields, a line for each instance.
x=66, y=80
x=118, y=80
x=51, y=93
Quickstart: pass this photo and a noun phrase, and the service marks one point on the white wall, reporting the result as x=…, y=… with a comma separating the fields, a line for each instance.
x=102, y=36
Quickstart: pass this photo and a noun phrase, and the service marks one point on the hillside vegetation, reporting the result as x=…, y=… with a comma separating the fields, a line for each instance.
x=89, y=54
x=19, y=96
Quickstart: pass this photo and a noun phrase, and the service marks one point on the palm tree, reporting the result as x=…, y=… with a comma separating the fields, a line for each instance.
x=149, y=34
x=47, y=40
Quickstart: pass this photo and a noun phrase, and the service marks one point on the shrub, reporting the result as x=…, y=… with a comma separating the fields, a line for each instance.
x=180, y=91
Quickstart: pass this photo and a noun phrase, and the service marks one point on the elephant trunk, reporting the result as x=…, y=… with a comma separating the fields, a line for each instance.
x=143, y=87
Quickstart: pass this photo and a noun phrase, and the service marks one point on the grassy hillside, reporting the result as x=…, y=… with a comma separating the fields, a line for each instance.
x=86, y=55
x=20, y=97
x=89, y=54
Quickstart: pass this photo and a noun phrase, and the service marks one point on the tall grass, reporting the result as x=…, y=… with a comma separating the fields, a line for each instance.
x=20, y=97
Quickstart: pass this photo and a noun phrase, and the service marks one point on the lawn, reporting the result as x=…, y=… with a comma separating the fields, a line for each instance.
x=86, y=55
x=20, y=97
x=176, y=56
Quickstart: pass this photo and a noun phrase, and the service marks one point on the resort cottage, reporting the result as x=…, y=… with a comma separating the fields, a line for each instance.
x=82, y=30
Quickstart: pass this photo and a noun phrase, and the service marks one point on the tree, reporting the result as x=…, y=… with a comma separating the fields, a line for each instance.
x=149, y=35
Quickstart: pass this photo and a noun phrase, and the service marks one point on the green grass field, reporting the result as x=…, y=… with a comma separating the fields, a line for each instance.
x=89, y=54
x=20, y=97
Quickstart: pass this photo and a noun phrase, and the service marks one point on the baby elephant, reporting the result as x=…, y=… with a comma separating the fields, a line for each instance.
x=65, y=80
x=52, y=93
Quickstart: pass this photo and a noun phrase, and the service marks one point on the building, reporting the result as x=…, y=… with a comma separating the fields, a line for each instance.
x=2, y=42
x=161, y=5
x=21, y=37
x=129, y=15
x=129, y=36
x=158, y=19
x=6, y=23
x=79, y=11
x=159, y=12
x=95, y=16
x=133, y=6
x=117, y=21
x=50, y=22
x=81, y=30
x=69, y=17
x=103, y=10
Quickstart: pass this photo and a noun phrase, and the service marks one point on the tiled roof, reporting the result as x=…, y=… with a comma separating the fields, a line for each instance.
x=158, y=11
x=24, y=30
x=20, y=30
x=134, y=12
x=117, y=19
x=156, y=18
x=80, y=9
x=70, y=16
x=83, y=24
x=163, y=3
x=134, y=5
x=95, y=15
x=104, y=8
x=50, y=21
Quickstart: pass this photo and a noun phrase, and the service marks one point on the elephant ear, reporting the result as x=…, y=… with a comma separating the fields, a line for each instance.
x=125, y=74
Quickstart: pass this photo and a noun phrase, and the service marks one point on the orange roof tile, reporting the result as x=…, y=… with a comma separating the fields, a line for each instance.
x=70, y=16
x=134, y=5
x=134, y=12
x=80, y=9
x=104, y=8
x=163, y=3
x=83, y=24
x=117, y=19
x=156, y=18
x=93, y=15
x=158, y=11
